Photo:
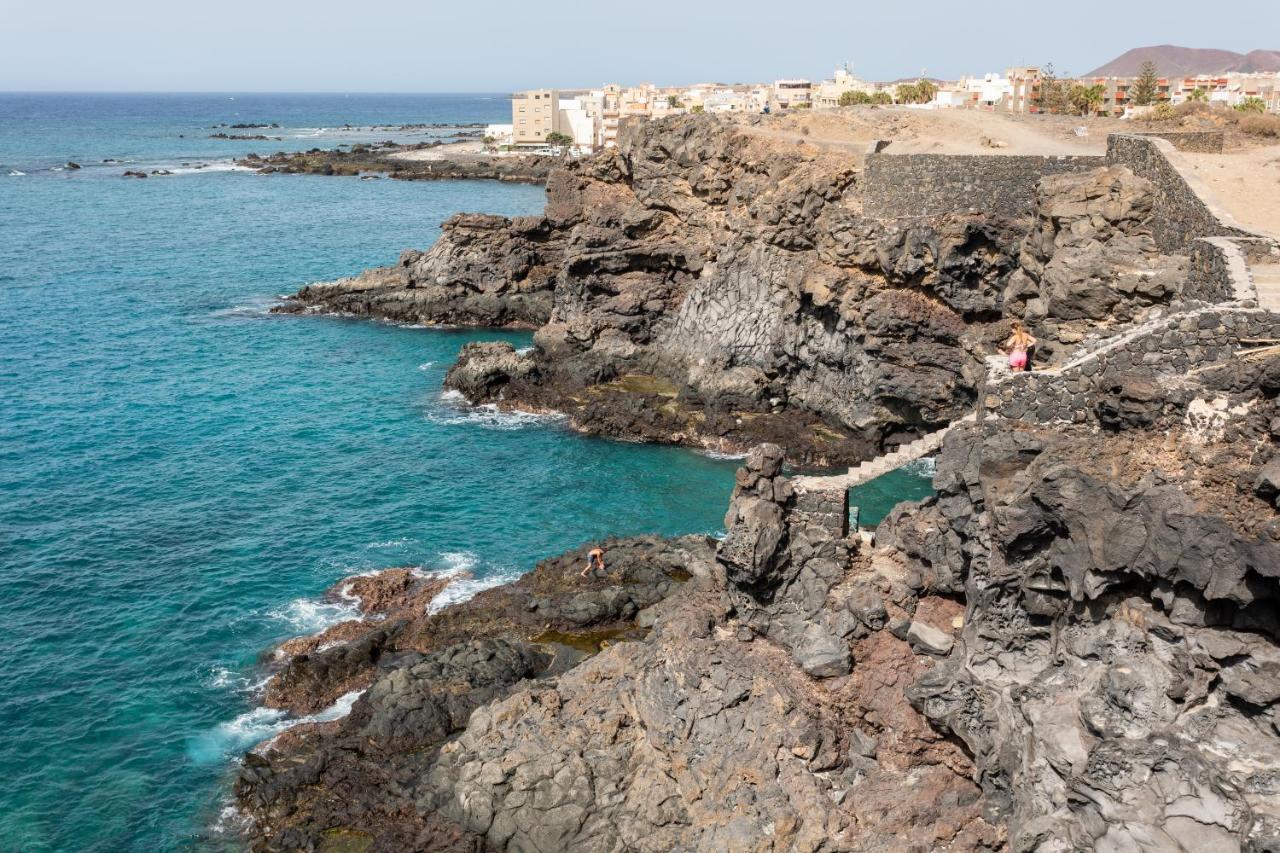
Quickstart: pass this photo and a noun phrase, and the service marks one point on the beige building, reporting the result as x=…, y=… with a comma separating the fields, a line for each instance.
x=792, y=93
x=535, y=114
x=1024, y=89
x=826, y=95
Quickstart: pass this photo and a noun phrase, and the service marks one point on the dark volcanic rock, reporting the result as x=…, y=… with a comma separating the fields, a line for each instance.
x=484, y=271
x=704, y=285
x=1121, y=631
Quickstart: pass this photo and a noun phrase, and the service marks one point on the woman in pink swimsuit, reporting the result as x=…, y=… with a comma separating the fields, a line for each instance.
x=1019, y=346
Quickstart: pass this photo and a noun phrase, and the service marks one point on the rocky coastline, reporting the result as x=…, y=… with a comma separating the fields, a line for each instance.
x=1073, y=645
x=379, y=160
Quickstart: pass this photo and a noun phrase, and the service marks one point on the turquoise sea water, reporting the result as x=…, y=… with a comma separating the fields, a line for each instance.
x=182, y=475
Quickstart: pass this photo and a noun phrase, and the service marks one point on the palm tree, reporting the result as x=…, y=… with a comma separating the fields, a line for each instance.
x=1087, y=99
x=1198, y=94
x=1252, y=104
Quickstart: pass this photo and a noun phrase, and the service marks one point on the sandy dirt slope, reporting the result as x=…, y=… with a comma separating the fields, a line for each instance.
x=914, y=131
x=1247, y=184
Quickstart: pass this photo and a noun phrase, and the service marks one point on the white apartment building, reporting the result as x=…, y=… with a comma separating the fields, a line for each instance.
x=579, y=121
x=499, y=133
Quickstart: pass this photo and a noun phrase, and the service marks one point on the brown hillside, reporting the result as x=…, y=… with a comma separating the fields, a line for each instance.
x=1173, y=60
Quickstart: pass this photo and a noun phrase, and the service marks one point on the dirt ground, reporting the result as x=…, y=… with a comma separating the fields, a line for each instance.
x=914, y=131
x=1245, y=179
x=1246, y=182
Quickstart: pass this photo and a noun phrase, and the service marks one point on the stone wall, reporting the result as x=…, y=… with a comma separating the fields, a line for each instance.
x=907, y=185
x=1162, y=349
x=1218, y=272
x=1200, y=141
x=1181, y=214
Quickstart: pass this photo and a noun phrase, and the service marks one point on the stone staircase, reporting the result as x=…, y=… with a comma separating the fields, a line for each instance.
x=1266, y=279
x=924, y=446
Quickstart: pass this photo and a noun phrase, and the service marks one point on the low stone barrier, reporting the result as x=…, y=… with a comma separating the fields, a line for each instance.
x=1163, y=348
x=896, y=186
x=1219, y=272
x=1183, y=212
x=1198, y=141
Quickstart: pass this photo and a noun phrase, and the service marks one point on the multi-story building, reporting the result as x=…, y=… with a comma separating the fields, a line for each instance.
x=792, y=93
x=1231, y=89
x=826, y=94
x=1024, y=89
x=499, y=133
x=534, y=115
x=1117, y=92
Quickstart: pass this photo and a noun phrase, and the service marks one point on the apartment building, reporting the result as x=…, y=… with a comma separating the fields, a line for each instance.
x=826, y=95
x=1231, y=89
x=534, y=115
x=1024, y=89
x=792, y=93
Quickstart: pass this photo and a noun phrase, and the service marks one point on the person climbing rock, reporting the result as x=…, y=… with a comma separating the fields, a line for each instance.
x=595, y=560
x=1020, y=346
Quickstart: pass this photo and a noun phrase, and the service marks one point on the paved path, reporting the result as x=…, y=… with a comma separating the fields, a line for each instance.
x=881, y=465
x=1266, y=278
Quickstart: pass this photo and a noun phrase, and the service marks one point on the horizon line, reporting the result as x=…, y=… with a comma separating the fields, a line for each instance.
x=257, y=92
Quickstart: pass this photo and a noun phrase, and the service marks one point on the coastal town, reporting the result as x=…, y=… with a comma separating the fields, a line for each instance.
x=586, y=120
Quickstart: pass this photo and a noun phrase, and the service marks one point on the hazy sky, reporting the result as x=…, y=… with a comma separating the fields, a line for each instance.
x=500, y=45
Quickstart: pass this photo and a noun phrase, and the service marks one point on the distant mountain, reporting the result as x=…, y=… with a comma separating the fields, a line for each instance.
x=1174, y=61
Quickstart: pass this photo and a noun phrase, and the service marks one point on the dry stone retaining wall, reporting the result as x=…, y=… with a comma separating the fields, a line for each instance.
x=1199, y=141
x=1163, y=348
x=1181, y=215
x=1219, y=271
x=896, y=186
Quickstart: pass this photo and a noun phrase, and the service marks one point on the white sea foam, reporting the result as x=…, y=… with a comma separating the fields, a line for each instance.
x=458, y=566
x=225, y=678
x=230, y=821
x=14, y=173
x=392, y=543
x=925, y=467
x=717, y=454
x=524, y=350
x=256, y=726
x=427, y=365
x=308, y=616
x=465, y=587
x=456, y=412
x=213, y=166
x=459, y=561
x=253, y=307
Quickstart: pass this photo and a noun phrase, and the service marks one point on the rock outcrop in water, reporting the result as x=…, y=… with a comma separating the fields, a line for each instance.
x=705, y=284
x=484, y=271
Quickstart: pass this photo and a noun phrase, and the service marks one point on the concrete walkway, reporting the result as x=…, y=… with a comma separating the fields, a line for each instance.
x=1266, y=279
x=924, y=446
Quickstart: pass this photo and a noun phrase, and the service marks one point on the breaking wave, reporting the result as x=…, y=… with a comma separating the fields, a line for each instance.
x=455, y=411
x=258, y=725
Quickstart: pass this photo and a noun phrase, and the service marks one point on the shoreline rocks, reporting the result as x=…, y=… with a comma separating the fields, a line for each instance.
x=363, y=159
x=1073, y=645
x=706, y=286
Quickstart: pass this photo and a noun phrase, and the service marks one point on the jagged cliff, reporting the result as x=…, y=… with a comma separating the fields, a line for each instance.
x=702, y=284
x=1073, y=646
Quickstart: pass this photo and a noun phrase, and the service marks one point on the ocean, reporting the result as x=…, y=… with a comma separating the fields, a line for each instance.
x=183, y=474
